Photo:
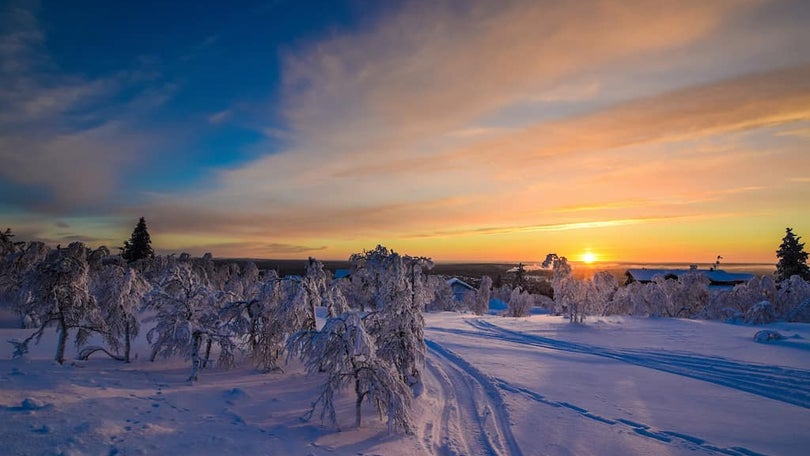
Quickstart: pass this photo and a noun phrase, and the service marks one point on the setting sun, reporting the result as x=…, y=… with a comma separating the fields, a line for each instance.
x=588, y=257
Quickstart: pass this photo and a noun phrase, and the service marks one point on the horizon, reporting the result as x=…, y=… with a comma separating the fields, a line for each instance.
x=666, y=132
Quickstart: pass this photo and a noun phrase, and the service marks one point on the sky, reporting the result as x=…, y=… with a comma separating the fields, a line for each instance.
x=461, y=130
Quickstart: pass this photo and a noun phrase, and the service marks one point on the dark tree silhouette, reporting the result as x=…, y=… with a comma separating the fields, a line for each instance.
x=792, y=258
x=139, y=245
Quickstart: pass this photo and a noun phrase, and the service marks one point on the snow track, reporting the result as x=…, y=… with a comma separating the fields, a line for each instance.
x=784, y=384
x=641, y=429
x=473, y=419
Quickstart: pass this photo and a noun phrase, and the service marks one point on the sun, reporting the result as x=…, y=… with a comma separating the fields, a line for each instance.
x=589, y=257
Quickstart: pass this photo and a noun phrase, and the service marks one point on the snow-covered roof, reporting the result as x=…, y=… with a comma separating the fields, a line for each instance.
x=715, y=276
x=455, y=281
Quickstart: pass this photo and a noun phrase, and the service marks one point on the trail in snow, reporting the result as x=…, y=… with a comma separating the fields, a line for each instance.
x=641, y=429
x=784, y=384
x=473, y=419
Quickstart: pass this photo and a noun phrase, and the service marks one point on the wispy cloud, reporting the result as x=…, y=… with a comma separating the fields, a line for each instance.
x=387, y=134
x=439, y=119
x=64, y=138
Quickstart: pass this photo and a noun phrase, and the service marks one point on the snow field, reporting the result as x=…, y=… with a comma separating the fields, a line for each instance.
x=493, y=386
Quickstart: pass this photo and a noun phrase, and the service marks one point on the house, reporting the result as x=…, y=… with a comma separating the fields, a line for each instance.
x=717, y=277
x=460, y=288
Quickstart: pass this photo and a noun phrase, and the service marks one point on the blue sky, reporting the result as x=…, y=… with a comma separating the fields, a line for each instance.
x=468, y=130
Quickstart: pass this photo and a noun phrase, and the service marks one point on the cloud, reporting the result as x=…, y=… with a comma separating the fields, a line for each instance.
x=219, y=117
x=285, y=249
x=425, y=70
x=387, y=132
x=65, y=139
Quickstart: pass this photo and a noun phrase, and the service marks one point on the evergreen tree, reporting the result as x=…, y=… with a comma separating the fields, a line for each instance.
x=792, y=258
x=139, y=245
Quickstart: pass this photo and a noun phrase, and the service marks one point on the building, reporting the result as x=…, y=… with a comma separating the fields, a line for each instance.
x=716, y=277
x=460, y=288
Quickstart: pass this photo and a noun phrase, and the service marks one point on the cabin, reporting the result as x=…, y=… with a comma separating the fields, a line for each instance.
x=460, y=288
x=717, y=277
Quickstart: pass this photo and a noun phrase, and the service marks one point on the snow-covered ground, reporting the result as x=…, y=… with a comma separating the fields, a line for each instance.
x=493, y=386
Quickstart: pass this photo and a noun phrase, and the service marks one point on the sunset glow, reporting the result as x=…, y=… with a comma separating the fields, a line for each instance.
x=477, y=131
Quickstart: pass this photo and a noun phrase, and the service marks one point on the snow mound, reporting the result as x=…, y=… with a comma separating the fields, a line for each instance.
x=234, y=394
x=30, y=403
x=767, y=335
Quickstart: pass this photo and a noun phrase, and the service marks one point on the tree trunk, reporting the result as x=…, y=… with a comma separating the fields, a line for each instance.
x=127, y=342
x=196, y=338
x=358, y=403
x=63, y=335
x=207, y=353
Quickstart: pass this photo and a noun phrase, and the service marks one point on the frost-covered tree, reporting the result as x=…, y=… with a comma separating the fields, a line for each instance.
x=520, y=304
x=480, y=301
x=316, y=283
x=570, y=294
x=368, y=271
x=687, y=296
x=601, y=289
x=334, y=300
x=266, y=331
x=56, y=291
x=398, y=324
x=793, y=300
x=441, y=296
x=119, y=292
x=792, y=258
x=346, y=353
x=185, y=313
x=14, y=268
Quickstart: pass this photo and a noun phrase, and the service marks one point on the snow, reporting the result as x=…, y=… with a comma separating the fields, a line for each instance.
x=493, y=385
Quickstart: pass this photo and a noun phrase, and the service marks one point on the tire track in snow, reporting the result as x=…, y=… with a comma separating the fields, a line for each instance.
x=788, y=385
x=474, y=420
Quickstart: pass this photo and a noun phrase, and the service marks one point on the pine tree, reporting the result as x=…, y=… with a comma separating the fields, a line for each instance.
x=792, y=258
x=139, y=245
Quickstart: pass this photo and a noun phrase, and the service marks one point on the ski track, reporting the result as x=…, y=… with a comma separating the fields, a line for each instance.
x=784, y=384
x=780, y=383
x=641, y=429
x=474, y=420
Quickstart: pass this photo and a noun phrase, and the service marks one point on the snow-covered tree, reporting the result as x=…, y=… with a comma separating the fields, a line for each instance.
x=56, y=291
x=119, y=292
x=601, y=289
x=793, y=300
x=440, y=295
x=14, y=267
x=316, y=283
x=334, y=300
x=185, y=313
x=345, y=352
x=569, y=293
x=792, y=258
x=266, y=332
x=480, y=301
x=520, y=304
x=398, y=324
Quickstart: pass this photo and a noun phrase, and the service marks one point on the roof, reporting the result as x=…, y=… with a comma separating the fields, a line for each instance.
x=454, y=281
x=715, y=276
